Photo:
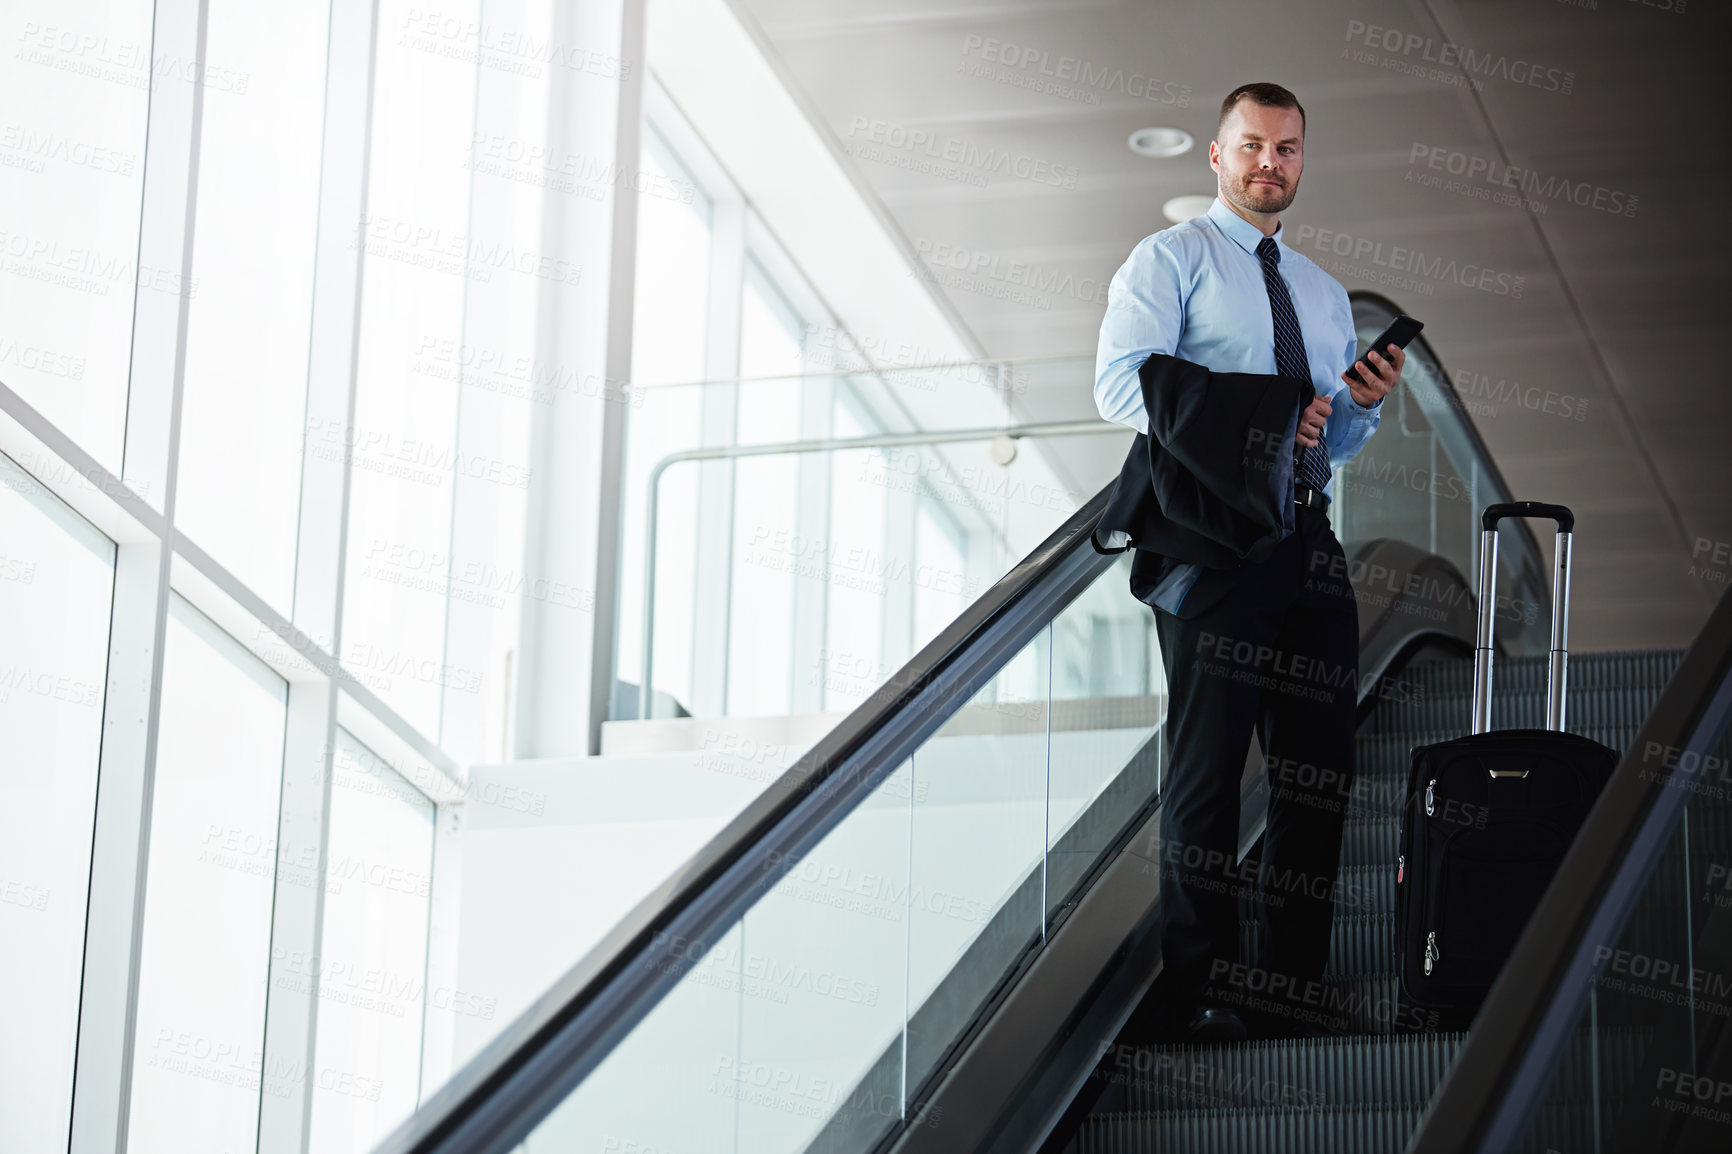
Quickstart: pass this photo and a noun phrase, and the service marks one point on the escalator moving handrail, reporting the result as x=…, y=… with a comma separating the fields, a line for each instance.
x=1504, y=1066
x=506, y=1089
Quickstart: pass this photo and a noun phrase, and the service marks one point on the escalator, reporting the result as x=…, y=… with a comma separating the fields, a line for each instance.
x=877, y=956
x=931, y=932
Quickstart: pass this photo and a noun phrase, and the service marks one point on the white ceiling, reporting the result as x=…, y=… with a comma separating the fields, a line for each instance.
x=1614, y=309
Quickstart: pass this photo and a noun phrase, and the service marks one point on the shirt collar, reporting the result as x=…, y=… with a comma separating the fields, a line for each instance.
x=1239, y=230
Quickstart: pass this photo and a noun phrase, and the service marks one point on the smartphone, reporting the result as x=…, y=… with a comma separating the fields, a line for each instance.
x=1401, y=330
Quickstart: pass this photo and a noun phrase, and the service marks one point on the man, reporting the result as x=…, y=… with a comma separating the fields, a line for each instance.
x=1272, y=644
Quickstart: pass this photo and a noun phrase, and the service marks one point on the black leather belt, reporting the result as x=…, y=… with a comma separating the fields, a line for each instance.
x=1308, y=498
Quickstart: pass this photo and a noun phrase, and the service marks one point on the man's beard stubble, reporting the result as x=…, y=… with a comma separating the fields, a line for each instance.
x=1261, y=198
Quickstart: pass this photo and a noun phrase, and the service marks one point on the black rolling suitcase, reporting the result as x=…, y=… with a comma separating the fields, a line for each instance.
x=1489, y=816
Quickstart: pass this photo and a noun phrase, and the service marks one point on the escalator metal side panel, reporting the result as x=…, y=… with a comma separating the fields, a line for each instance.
x=1049, y=1042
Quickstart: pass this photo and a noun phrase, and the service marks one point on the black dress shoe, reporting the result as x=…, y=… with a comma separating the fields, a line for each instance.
x=1212, y=1024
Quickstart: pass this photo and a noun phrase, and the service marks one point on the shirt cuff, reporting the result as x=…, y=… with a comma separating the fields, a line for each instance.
x=1353, y=405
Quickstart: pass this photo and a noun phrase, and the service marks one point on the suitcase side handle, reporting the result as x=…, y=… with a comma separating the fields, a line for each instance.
x=1557, y=665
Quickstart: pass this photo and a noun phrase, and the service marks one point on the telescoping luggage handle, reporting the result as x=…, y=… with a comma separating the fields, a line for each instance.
x=1557, y=666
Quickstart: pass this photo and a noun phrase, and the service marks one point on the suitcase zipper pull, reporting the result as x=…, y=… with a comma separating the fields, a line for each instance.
x=1400, y=867
x=1430, y=802
x=1432, y=953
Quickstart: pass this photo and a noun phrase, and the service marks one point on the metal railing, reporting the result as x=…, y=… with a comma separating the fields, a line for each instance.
x=646, y=689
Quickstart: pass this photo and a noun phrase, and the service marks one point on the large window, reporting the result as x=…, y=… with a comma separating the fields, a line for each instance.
x=372, y=960
x=198, y=1061
x=246, y=371
x=276, y=285
x=853, y=653
x=71, y=178
x=402, y=442
x=792, y=581
x=56, y=583
x=770, y=553
x=669, y=346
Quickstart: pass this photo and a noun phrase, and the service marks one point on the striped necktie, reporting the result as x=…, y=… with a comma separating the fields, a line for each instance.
x=1311, y=465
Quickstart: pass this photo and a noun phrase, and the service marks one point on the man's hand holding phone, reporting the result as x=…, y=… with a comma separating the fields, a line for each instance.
x=1371, y=378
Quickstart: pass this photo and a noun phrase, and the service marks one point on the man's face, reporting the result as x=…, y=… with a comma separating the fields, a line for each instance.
x=1259, y=156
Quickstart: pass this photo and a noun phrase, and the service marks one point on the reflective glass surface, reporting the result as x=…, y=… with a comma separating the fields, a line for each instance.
x=198, y=1058
x=56, y=587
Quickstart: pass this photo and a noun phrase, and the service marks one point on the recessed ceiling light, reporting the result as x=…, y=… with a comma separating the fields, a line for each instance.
x=1160, y=143
x=1183, y=208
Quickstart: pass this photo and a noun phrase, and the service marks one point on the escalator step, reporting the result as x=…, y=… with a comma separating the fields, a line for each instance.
x=1365, y=889
x=1370, y=841
x=1330, y=1130
x=1390, y=751
x=1359, y=944
x=1590, y=709
x=1372, y=1005
x=1634, y=668
x=1606, y=689
x=1390, y=1071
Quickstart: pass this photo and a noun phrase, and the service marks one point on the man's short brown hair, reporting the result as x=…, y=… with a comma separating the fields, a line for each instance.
x=1264, y=93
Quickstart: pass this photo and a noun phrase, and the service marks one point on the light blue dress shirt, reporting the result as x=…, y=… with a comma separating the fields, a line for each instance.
x=1196, y=291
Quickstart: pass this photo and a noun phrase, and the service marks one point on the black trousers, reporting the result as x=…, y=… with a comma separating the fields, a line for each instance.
x=1273, y=646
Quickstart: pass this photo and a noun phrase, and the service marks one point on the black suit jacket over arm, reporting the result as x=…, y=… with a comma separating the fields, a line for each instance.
x=1212, y=481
